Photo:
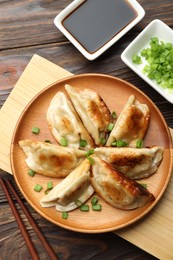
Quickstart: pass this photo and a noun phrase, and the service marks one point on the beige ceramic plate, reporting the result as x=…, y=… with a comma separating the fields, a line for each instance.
x=115, y=93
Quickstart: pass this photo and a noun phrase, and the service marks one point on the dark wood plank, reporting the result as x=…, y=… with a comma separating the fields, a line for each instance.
x=27, y=23
x=30, y=23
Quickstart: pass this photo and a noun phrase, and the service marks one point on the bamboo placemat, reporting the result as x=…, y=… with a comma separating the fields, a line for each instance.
x=154, y=233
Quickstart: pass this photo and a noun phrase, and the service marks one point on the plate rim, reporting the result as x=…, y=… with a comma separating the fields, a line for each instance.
x=103, y=230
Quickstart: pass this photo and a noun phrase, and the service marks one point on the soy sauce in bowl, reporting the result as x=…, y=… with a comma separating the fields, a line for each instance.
x=95, y=22
x=95, y=25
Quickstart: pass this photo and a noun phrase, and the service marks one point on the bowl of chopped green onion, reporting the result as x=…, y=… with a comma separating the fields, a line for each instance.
x=150, y=55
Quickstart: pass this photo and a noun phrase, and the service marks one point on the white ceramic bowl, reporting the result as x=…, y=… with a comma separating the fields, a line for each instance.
x=163, y=32
x=110, y=41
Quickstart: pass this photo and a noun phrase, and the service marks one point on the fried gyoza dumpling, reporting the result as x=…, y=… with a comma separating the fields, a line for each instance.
x=50, y=159
x=92, y=110
x=75, y=187
x=116, y=189
x=131, y=124
x=64, y=122
x=136, y=163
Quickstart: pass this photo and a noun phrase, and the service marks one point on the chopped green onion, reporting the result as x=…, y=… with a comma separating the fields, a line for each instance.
x=35, y=130
x=89, y=152
x=31, y=172
x=144, y=185
x=64, y=215
x=63, y=141
x=97, y=207
x=91, y=160
x=168, y=45
x=110, y=127
x=94, y=201
x=136, y=59
x=78, y=203
x=159, y=58
x=83, y=143
x=139, y=143
x=49, y=187
x=114, y=114
x=38, y=187
x=119, y=143
x=84, y=207
x=102, y=140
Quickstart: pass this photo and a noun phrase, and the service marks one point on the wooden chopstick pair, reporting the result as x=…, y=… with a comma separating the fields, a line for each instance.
x=29, y=243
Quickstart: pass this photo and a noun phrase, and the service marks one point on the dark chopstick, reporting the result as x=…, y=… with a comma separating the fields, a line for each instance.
x=24, y=232
x=28, y=241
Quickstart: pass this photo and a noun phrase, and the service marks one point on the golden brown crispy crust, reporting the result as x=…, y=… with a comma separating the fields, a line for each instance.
x=63, y=121
x=116, y=189
x=131, y=124
x=50, y=159
x=99, y=111
x=136, y=122
x=134, y=163
x=76, y=186
x=92, y=110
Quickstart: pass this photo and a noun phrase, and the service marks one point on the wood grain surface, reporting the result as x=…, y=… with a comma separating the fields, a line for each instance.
x=26, y=28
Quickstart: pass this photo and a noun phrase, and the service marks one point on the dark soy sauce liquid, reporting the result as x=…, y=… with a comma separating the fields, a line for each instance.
x=95, y=22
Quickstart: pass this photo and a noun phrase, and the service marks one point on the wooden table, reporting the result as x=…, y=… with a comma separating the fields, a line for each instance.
x=26, y=28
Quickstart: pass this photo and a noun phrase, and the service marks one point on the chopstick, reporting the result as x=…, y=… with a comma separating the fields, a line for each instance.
x=29, y=243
